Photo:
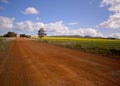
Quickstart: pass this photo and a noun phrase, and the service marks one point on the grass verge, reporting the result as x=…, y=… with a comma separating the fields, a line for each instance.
x=4, y=47
x=104, y=47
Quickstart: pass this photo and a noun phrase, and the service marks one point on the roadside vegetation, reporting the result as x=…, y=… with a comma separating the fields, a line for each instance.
x=104, y=47
x=4, y=47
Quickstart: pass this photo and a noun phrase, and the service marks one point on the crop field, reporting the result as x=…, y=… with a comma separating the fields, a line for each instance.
x=106, y=47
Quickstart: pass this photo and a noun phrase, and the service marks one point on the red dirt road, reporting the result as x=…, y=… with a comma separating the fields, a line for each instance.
x=32, y=63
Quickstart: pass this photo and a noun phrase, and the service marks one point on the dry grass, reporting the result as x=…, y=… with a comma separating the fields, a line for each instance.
x=4, y=47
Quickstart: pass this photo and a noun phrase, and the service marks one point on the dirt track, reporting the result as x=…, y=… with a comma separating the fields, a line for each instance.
x=32, y=63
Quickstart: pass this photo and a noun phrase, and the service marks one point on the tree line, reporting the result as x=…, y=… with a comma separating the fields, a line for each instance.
x=41, y=33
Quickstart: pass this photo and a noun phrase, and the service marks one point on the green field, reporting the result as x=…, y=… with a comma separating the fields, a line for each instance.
x=106, y=47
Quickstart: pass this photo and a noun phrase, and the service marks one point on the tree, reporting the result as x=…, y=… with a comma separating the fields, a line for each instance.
x=10, y=34
x=41, y=32
x=24, y=35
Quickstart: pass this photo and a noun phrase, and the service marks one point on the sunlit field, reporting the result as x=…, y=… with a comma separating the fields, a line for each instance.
x=107, y=47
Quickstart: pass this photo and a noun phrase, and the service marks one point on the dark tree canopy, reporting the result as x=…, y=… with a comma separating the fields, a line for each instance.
x=24, y=35
x=10, y=34
x=41, y=32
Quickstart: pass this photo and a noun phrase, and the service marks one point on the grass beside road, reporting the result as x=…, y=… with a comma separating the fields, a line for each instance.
x=105, y=47
x=4, y=47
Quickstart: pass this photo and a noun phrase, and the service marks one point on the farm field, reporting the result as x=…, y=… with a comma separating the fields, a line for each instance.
x=31, y=63
x=105, y=47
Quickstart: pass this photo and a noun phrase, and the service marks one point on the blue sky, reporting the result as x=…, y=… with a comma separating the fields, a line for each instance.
x=61, y=17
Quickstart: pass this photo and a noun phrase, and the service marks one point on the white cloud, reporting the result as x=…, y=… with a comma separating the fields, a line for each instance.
x=86, y=31
x=73, y=23
x=114, y=20
x=114, y=5
x=60, y=29
x=29, y=25
x=6, y=23
x=116, y=35
x=30, y=10
x=57, y=28
x=4, y=1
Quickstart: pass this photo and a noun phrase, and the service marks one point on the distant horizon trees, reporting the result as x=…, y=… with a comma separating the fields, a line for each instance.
x=13, y=34
x=24, y=35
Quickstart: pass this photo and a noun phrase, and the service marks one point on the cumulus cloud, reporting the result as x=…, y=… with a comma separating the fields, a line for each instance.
x=86, y=32
x=4, y=1
x=6, y=23
x=60, y=29
x=115, y=5
x=73, y=23
x=114, y=20
x=30, y=10
x=57, y=28
x=29, y=25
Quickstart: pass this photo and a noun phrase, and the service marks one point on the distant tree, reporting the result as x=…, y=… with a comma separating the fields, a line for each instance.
x=10, y=34
x=24, y=35
x=41, y=32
